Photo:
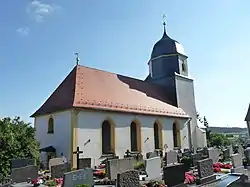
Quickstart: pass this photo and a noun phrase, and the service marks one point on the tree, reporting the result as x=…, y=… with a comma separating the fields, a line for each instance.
x=17, y=140
x=219, y=140
x=205, y=123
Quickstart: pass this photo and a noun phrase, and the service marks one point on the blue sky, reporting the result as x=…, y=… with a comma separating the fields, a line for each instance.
x=38, y=40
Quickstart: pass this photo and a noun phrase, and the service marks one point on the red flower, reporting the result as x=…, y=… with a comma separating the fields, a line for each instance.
x=35, y=181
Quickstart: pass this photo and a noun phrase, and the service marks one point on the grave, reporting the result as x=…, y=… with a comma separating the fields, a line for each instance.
x=171, y=157
x=196, y=157
x=174, y=175
x=205, y=171
x=153, y=154
x=22, y=174
x=84, y=163
x=226, y=154
x=128, y=178
x=214, y=154
x=153, y=168
x=21, y=162
x=56, y=161
x=57, y=171
x=115, y=166
x=77, y=153
x=237, y=164
x=82, y=176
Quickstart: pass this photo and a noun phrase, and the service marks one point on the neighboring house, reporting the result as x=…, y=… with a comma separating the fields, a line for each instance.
x=106, y=114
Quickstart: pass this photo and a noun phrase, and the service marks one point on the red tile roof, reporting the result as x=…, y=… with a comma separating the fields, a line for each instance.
x=90, y=88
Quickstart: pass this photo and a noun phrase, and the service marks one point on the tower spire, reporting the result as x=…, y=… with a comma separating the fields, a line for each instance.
x=77, y=58
x=164, y=18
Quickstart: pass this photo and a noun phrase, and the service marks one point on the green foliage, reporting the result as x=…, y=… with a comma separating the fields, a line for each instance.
x=16, y=141
x=51, y=183
x=139, y=165
x=229, y=135
x=219, y=140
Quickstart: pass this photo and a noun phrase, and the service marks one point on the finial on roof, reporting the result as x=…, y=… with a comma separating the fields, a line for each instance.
x=77, y=58
x=164, y=22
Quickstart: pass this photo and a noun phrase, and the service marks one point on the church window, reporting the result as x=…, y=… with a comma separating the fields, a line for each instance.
x=157, y=136
x=50, y=126
x=135, y=137
x=176, y=135
x=183, y=65
x=107, y=137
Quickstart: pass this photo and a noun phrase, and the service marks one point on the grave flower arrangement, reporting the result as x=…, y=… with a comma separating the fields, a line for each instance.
x=219, y=167
x=189, y=178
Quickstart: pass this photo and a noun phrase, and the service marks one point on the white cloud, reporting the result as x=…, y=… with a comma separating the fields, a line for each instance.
x=23, y=31
x=39, y=10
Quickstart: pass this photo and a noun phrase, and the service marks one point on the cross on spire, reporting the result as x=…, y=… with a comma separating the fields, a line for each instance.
x=164, y=18
x=77, y=153
x=77, y=58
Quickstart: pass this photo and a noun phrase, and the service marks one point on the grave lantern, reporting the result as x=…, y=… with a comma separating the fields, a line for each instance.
x=247, y=119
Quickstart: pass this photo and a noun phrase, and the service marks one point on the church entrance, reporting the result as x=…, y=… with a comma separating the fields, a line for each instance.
x=107, y=138
x=176, y=135
x=157, y=136
x=135, y=137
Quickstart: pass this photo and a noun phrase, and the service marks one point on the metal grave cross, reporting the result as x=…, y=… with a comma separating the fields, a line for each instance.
x=77, y=153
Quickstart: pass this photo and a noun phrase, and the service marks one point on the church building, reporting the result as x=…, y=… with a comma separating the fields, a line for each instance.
x=107, y=114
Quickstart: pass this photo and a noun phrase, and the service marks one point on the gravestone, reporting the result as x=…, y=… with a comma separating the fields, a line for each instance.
x=226, y=154
x=57, y=171
x=241, y=150
x=237, y=164
x=22, y=162
x=196, y=157
x=115, y=166
x=214, y=154
x=174, y=175
x=230, y=147
x=84, y=163
x=82, y=176
x=128, y=178
x=205, y=171
x=56, y=161
x=153, y=154
x=153, y=168
x=171, y=157
x=22, y=174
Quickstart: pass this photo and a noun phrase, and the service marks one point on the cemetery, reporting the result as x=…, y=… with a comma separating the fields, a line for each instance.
x=205, y=167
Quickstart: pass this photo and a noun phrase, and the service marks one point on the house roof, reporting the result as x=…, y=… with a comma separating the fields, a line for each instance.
x=86, y=87
x=247, y=118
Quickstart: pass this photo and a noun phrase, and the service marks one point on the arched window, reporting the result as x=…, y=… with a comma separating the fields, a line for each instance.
x=108, y=139
x=157, y=135
x=135, y=137
x=176, y=135
x=51, y=126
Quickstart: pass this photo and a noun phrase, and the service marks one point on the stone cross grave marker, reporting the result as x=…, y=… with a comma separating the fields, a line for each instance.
x=57, y=171
x=174, y=175
x=84, y=163
x=21, y=162
x=237, y=164
x=115, y=166
x=82, y=176
x=214, y=154
x=22, y=174
x=128, y=178
x=77, y=153
x=205, y=171
x=56, y=161
x=153, y=168
x=171, y=157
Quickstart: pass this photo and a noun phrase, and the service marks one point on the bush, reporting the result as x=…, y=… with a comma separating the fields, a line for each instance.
x=139, y=165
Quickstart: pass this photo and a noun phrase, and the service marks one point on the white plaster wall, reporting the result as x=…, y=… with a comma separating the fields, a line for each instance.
x=89, y=127
x=62, y=132
x=201, y=138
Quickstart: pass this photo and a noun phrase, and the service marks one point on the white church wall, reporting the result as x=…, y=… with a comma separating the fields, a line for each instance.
x=201, y=137
x=60, y=139
x=89, y=127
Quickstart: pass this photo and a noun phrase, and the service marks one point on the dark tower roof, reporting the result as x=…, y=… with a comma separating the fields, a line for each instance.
x=247, y=118
x=166, y=46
